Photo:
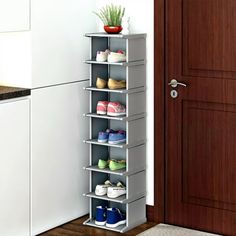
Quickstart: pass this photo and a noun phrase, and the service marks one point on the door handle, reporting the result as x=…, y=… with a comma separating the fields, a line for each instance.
x=174, y=83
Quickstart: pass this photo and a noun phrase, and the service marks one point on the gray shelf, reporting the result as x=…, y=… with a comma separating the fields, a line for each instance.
x=122, y=199
x=132, y=63
x=123, y=145
x=120, y=229
x=94, y=115
x=121, y=172
x=123, y=91
x=95, y=141
x=120, y=118
x=121, y=36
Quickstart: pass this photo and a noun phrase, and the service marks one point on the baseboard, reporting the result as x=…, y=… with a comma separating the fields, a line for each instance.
x=150, y=213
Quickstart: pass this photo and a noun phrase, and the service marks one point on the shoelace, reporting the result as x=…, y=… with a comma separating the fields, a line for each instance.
x=107, y=182
x=119, y=184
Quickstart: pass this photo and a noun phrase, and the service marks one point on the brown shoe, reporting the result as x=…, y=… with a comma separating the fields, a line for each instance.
x=101, y=83
x=116, y=84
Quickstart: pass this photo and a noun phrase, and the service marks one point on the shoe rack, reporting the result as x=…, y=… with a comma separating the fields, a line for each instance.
x=133, y=204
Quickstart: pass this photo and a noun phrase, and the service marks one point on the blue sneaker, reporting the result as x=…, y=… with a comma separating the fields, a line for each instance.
x=101, y=215
x=103, y=136
x=115, y=218
x=116, y=138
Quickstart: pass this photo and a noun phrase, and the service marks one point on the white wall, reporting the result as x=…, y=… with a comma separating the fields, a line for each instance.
x=141, y=13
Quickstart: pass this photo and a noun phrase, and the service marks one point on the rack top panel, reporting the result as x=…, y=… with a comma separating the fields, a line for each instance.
x=123, y=36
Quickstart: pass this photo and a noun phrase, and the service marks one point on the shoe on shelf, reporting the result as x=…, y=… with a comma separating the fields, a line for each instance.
x=111, y=131
x=102, y=164
x=101, y=215
x=118, y=137
x=116, y=109
x=116, y=84
x=116, y=191
x=101, y=83
x=102, y=56
x=117, y=165
x=115, y=218
x=103, y=136
x=118, y=56
x=102, y=107
x=101, y=189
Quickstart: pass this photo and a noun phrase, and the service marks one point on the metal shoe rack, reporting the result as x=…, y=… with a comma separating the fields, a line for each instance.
x=134, y=150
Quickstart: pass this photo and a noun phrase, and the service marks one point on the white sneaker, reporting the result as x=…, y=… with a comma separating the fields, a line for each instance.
x=114, y=57
x=102, y=56
x=118, y=190
x=101, y=189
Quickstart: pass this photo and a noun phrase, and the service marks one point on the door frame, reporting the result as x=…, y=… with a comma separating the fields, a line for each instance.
x=159, y=111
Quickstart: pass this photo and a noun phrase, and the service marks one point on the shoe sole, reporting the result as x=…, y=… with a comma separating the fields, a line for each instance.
x=102, y=167
x=115, y=196
x=101, y=112
x=100, y=87
x=117, y=142
x=116, y=225
x=100, y=223
x=102, y=141
x=113, y=169
x=114, y=88
x=98, y=194
x=112, y=60
x=116, y=114
x=101, y=60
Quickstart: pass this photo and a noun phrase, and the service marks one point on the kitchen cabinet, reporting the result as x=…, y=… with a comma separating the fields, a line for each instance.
x=59, y=155
x=14, y=15
x=14, y=168
x=58, y=45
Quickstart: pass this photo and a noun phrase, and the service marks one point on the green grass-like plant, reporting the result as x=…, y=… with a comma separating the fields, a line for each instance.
x=111, y=15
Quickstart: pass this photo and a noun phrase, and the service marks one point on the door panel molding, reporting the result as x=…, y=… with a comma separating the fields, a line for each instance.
x=202, y=163
x=209, y=51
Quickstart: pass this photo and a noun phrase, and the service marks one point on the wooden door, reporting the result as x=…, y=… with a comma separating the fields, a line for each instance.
x=201, y=121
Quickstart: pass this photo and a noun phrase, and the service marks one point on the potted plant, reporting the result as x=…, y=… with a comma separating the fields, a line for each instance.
x=111, y=16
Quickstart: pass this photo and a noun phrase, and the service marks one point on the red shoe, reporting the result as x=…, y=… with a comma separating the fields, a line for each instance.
x=116, y=109
x=102, y=107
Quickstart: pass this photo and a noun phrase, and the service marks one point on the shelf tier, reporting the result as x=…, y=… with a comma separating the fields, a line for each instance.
x=122, y=199
x=120, y=229
x=120, y=118
x=122, y=145
x=124, y=91
x=121, y=172
x=133, y=63
x=122, y=36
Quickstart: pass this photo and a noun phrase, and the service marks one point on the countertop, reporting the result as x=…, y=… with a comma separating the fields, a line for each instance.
x=13, y=92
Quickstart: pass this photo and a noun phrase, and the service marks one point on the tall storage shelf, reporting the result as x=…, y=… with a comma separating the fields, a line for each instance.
x=134, y=150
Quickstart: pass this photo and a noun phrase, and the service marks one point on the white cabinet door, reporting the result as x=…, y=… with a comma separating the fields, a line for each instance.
x=58, y=43
x=59, y=155
x=14, y=168
x=14, y=15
